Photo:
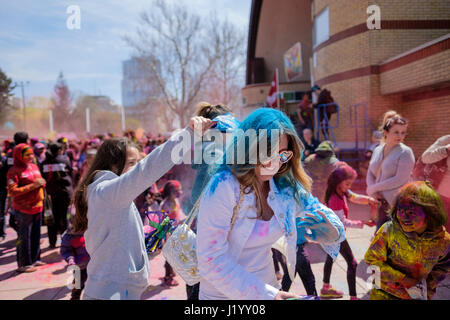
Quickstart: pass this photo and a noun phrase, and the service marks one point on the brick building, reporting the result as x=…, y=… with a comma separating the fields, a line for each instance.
x=404, y=66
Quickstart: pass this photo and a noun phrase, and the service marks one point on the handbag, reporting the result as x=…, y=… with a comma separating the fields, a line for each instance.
x=180, y=249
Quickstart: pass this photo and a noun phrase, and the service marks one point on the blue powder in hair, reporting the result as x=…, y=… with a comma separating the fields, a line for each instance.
x=261, y=119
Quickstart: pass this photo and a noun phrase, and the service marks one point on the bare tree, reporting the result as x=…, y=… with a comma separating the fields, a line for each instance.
x=180, y=52
x=6, y=88
x=227, y=77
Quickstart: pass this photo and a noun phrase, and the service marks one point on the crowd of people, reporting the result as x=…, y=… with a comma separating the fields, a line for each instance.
x=249, y=217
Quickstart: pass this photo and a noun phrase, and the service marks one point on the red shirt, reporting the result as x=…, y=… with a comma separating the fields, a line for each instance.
x=337, y=203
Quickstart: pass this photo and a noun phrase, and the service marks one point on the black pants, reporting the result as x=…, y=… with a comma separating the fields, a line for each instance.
x=347, y=253
x=278, y=259
x=303, y=268
x=60, y=204
x=28, y=238
x=76, y=293
x=192, y=291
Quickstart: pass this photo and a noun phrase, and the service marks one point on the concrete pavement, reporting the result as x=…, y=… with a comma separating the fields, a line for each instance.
x=50, y=281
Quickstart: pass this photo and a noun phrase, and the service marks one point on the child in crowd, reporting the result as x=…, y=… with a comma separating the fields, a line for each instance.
x=73, y=251
x=151, y=204
x=413, y=248
x=153, y=198
x=336, y=195
x=170, y=204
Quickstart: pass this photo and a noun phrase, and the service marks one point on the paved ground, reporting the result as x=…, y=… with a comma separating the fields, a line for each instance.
x=49, y=282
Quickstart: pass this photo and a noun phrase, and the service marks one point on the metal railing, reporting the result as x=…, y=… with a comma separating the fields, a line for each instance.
x=325, y=125
x=366, y=123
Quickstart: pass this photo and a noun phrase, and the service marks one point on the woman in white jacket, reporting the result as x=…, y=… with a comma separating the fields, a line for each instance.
x=250, y=205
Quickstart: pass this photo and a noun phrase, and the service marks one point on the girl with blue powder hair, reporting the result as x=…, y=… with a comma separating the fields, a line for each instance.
x=253, y=202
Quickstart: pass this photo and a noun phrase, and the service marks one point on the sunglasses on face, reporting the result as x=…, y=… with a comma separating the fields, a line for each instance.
x=284, y=156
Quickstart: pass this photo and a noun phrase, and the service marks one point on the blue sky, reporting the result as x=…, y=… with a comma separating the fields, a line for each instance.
x=35, y=44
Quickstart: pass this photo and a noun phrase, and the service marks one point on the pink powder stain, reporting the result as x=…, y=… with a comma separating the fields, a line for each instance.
x=263, y=230
x=49, y=265
x=218, y=270
x=214, y=242
x=148, y=229
x=209, y=259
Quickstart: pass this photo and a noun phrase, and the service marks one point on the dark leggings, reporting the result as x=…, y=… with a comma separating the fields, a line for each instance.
x=278, y=258
x=169, y=270
x=192, y=291
x=303, y=268
x=60, y=204
x=347, y=253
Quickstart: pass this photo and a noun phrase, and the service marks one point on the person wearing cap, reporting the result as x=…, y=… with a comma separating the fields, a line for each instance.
x=64, y=142
x=39, y=152
x=319, y=167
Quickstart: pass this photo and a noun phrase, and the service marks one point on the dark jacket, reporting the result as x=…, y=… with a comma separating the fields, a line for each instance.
x=57, y=171
x=7, y=162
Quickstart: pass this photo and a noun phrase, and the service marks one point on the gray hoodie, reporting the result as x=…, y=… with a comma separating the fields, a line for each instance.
x=119, y=267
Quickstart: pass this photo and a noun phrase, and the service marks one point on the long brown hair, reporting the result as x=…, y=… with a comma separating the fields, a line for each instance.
x=293, y=168
x=290, y=174
x=341, y=173
x=111, y=156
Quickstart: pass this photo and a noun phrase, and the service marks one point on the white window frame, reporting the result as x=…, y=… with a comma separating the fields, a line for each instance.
x=323, y=18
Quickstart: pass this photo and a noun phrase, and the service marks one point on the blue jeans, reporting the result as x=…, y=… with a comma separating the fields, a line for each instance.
x=28, y=238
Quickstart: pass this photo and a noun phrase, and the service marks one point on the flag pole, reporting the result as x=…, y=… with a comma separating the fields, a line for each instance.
x=278, y=97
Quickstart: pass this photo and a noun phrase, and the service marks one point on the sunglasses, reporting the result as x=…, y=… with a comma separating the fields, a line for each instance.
x=284, y=156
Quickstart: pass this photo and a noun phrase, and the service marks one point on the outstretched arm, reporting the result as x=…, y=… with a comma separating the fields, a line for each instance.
x=122, y=190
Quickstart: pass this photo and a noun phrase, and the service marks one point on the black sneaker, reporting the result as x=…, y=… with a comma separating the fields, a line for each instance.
x=76, y=294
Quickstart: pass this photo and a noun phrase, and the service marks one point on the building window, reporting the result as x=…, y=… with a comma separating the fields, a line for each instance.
x=292, y=96
x=321, y=30
x=315, y=59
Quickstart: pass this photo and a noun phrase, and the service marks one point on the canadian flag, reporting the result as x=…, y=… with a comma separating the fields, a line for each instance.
x=272, y=100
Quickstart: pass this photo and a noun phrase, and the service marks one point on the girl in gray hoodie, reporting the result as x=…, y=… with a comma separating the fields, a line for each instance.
x=114, y=235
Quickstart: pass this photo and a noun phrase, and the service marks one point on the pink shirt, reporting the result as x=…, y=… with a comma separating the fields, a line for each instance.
x=340, y=207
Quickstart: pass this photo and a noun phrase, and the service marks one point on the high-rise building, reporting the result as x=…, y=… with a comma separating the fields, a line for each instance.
x=139, y=90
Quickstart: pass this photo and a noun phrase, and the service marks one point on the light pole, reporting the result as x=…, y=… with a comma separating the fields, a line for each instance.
x=22, y=85
x=122, y=111
x=88, y=120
